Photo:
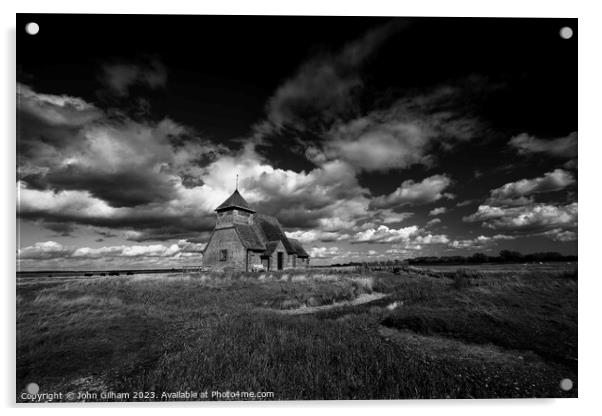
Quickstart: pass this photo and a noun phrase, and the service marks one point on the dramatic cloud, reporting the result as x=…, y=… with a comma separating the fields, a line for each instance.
x=405, y=133
x=374, y=146
x=56, y=110
x=551, y=181
x=564, y=147
x=323, y=88
x=415, y=193
x=116, y=166
x=528, y=217
x=120, y=77
x=328, y=197
x=139, y=175
x=323, y=101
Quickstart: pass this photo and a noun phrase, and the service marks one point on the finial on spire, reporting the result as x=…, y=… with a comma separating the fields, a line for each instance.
x=237, y=181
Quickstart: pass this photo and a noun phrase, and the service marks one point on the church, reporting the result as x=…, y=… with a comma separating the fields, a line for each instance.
x=244, y=240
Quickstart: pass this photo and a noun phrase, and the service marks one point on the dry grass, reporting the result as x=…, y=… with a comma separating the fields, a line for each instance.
x=205, y=331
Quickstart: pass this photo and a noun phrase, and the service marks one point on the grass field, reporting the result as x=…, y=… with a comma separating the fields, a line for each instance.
x=484, y=332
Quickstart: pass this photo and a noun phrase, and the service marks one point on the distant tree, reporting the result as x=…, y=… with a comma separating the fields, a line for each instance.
x=478, y=258
x=507, y=255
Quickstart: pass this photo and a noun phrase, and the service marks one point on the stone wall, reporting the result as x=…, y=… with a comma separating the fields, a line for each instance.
x=225, y=239
x=274, y=257
x=254, y=260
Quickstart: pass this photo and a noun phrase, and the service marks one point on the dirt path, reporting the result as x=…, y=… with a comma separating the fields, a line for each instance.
x=360, y=300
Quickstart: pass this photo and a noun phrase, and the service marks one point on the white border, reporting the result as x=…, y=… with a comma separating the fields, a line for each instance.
x=590, y=150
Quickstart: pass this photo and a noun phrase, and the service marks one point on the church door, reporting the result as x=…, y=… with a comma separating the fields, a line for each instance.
x=280, y=260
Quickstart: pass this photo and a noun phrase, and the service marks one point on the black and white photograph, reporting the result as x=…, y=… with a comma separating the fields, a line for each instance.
x=278, y=208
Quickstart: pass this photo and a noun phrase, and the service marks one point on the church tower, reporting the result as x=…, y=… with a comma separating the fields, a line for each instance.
x=234, y=210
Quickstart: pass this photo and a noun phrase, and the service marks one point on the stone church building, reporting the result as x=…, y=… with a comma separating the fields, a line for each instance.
x=246, y=241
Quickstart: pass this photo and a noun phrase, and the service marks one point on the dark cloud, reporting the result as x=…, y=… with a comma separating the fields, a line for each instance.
x=562, y=147
x=120, y=77
x=126, y=188
x=64, y=229
x=345, y=147
x=105, y=234
x=325, y=87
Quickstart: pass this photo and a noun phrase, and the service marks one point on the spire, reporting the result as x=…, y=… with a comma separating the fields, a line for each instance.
x=235, y=201
x=236, y=182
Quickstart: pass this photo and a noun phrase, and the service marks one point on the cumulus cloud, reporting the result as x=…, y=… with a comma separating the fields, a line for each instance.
x=53, y=250
x=323, y=102
x=434, y=221
x=311, y=236
x=324, y=252
x=116, y=173
x=384, y=234
x=43, y=250
x=437, y=211
x=388, y=216
x=560, y=235
x=410, y=246
x=377, y=146
x=528, y=217
x=56, y=110
x=408, y=238
x=556, y=180
x=155, y=250
x=564, y=147
x=406, y=132
x=415, y=193
x=479, y=242
x=327, y=197
x=120, y=77
x=161, y=181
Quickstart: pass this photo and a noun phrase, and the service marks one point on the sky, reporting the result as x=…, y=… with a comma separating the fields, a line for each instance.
x=368, y=138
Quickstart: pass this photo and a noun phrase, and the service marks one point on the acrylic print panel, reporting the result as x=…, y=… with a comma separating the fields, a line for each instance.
x=284, y=208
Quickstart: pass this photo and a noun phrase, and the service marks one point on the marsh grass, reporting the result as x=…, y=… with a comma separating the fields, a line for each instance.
x=212, y=331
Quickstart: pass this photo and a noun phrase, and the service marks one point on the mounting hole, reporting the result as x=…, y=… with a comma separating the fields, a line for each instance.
x=566, y=384
x=32, y=388
x=32, y=28
x=566, y=32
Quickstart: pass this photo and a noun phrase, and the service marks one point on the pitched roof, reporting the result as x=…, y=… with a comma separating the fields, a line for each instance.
x=270, y=247
x=235, y=201
x=271, y=230
x=249, y=237
x=298, y=248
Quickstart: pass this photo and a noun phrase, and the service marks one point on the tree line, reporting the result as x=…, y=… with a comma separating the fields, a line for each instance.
x=504, y=256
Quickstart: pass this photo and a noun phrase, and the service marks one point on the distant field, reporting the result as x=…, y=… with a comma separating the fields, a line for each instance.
x=431, y=332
